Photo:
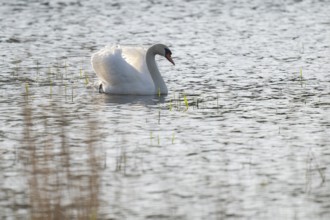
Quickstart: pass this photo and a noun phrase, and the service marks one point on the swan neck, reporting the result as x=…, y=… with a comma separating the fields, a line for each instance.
x=160, y=86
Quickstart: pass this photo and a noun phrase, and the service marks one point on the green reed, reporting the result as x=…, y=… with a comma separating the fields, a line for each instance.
x=86, y=78
x=65, y=88
x=81, y=72
x=72, y=88
x=17, y=67
x=27, y=88
x=151, y=137
x=170, y=105
x=185, y=102
x=50, y=87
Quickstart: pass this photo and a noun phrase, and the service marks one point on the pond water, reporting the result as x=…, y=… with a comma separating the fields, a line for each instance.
x=242, y=134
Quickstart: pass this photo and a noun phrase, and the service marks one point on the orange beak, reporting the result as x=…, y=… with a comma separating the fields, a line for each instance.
x=169, y=58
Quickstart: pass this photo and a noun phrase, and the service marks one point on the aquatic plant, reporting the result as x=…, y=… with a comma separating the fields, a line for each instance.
x=51, y=172
x=170, y=105
x=72, y=92
x=80, y=72
x=313, y=166
x=17, y=66
x=86, y=79
x=26, y=88
x=49, y=71
x=121, y=159
x=186, y=102
x=159, y=117
x=65, y=90
x=50, y=88
x=151, y=137
x=66, y=69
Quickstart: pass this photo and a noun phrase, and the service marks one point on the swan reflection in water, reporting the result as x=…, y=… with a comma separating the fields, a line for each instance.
x=133, y=99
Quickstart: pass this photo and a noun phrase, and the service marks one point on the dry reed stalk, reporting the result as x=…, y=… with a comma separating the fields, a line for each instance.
x=58, y=189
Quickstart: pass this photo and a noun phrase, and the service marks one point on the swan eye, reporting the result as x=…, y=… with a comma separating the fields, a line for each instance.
x=167, y=51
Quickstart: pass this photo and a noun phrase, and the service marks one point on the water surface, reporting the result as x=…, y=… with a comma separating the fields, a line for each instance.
x=253, y=142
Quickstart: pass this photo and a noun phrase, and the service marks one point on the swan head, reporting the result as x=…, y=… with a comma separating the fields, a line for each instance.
x=168, y=55
x=164, y=51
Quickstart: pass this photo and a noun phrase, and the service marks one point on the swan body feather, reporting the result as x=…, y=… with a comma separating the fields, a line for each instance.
x=129, y=70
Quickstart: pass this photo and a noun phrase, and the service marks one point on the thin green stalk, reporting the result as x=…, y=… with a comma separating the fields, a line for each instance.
x=58, y=75
x=65, y=90
x=301, y=77
x=49, y=73
x=51, y=88
x=186, y=102
x=37, y=67
x=86, y=79
x=151, y=137
x=179, y=101
x=72, y=93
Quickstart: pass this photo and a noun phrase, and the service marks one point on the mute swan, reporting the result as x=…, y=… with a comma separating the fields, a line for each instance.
x=130, y=70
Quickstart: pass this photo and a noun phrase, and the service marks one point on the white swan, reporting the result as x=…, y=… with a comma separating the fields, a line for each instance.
x=130, y=70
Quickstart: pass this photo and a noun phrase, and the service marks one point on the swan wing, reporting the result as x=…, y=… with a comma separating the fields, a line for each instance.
x=123, y=69
x=136, y=56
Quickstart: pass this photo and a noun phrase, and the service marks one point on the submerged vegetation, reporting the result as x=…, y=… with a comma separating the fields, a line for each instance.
x=62, y=172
